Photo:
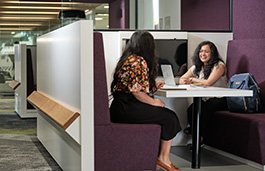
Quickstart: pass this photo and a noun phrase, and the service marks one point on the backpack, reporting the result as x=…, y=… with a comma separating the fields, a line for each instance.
x=252, y=104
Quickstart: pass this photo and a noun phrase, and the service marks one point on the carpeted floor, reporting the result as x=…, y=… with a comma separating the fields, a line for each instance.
x=7, y=105
x=20, y=150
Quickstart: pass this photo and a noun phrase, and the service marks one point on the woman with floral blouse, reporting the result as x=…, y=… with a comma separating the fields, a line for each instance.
x=132, y=89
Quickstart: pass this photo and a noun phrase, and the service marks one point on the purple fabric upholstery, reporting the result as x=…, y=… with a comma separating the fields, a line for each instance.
x=205, y=15
x=248, y=19
x=101, y=109
x=239, y=134
x=242, y=134
x=119, y=146
x=126, y=147
x=248, y=56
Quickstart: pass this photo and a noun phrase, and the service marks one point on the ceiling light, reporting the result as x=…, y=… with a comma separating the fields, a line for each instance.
x=21, y=24
x=27, y=12
x=97, y=18
x=31, y=2
x=18, y=28
x=103, y=15
x=34, y=7
x=27, y=18
x=89, y=12
x=106, y=6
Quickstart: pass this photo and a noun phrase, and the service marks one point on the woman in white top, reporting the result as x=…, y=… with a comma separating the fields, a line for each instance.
x=208, y=70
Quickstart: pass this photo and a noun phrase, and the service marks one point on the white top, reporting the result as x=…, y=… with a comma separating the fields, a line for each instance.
x=222, y=82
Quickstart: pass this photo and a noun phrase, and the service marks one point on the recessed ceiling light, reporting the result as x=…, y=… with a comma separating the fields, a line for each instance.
x=98, y=18
x=27, y=18
x=28, y=12
x=34, y=7
x=21, y=24
x=106, y=6
x=32, y=2
x=18, y=28
x=103, y=15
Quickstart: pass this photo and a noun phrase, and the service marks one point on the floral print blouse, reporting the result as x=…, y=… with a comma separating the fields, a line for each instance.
x=133, y=76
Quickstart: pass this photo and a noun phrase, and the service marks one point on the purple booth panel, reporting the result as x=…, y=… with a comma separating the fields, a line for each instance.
x=205, y=15
x=248, y=19
x=248, y=56
x=240, y=134
x=126, y=147
x=101, y=104
x=119, y=146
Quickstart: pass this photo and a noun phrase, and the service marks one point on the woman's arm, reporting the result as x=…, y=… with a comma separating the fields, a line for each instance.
x=159, y=84
x=217, y=72
x=185, y=79
x=143, y=97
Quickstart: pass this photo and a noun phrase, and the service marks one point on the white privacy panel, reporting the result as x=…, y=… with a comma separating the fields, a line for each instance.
x=59, y=65
x=21, y=76
x=65, y=74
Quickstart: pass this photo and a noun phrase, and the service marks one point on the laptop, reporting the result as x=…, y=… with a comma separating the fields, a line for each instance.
x=169, y=79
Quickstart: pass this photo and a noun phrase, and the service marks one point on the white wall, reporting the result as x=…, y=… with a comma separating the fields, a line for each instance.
x=172, y=9
x=145, y=14
x=132, y=14
x=20, y=76
x=169, y=10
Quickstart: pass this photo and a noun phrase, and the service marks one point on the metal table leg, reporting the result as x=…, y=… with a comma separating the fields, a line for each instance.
x=196, y=133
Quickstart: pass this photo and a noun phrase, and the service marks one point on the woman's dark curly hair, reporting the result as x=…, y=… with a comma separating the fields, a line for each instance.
x=214, y=59
x=141, y=44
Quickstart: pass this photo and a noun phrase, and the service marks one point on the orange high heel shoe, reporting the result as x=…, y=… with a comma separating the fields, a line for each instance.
x=166, y=167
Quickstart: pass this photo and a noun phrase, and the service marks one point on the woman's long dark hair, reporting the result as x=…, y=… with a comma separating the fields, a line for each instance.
x=141, y=44
x=214, y=59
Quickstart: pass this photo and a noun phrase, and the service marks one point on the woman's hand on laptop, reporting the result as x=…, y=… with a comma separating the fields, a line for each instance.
x=159, y=84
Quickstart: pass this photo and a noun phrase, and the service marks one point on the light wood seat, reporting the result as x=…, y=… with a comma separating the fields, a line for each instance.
x=14, y=84
x=57, y=112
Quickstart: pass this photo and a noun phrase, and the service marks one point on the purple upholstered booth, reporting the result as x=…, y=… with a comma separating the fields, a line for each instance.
x=242, y=134
x=127, y=147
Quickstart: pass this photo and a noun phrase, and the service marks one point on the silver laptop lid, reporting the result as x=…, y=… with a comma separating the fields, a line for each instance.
x=168, y=74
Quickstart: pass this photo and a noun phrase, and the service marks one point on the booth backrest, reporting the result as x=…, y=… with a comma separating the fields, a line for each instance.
x=30, y=79
x=101, y=104
x=248, y=56
x=248, y=19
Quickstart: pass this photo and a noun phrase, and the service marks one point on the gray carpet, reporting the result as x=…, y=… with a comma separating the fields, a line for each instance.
x=20, y=150
x=7, y=105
